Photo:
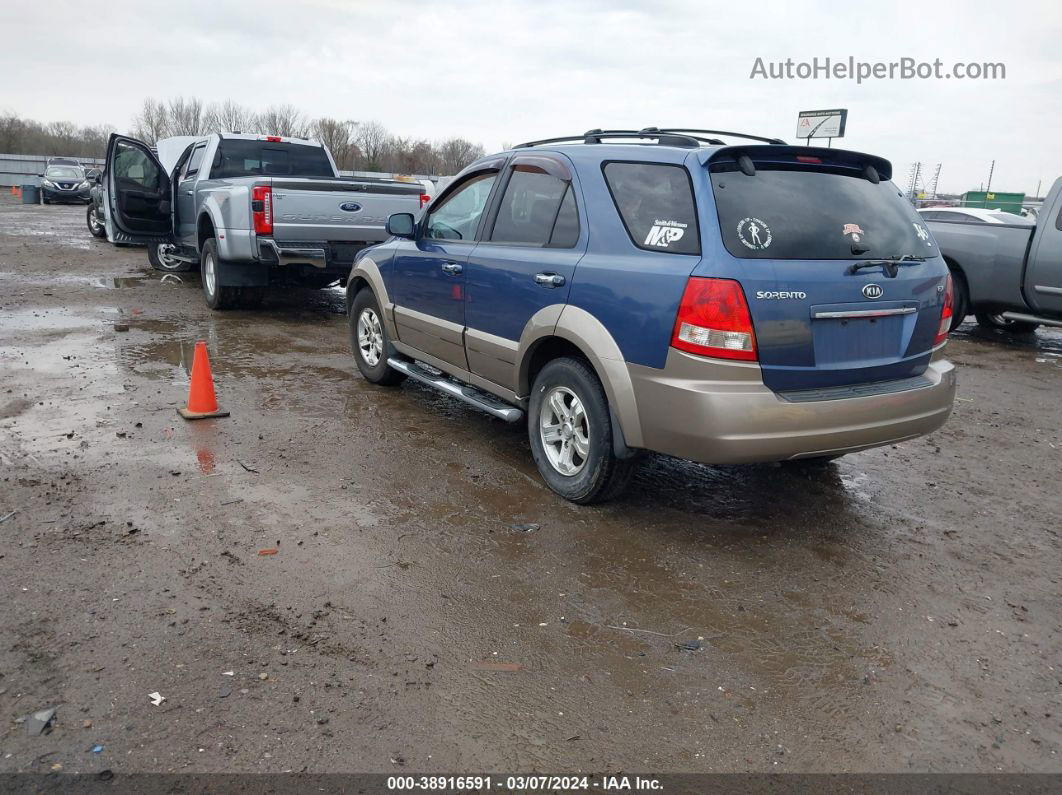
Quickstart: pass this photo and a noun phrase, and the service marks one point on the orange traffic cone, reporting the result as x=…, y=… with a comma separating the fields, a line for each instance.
x=13, y=191
x=202, y=403
x=16, y=191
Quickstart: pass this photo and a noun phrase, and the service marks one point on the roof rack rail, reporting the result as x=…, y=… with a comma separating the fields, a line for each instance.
x=664, y=136
x=775, y=141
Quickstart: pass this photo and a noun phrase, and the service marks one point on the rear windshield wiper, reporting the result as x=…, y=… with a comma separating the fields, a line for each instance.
x=890, y=265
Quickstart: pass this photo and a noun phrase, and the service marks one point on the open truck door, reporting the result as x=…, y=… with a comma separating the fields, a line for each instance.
x=137, y=193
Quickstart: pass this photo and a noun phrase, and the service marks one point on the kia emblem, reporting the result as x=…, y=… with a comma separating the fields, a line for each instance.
x=872, y=291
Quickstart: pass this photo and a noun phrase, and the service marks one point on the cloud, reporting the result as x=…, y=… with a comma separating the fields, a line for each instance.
x=497, y=71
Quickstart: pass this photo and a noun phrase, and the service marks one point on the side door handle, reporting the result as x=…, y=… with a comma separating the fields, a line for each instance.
x=549, y=279
x=453, y=268
x=189, y=193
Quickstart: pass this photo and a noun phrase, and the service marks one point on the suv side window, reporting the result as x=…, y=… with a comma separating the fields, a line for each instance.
x=531, y=209
x=458, y=216
x=1058, y=221
x=655, y=201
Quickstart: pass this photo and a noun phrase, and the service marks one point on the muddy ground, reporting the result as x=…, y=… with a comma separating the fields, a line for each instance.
x=897, y=611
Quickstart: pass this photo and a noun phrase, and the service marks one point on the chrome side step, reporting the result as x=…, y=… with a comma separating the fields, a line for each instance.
x=1032, y=319
x=469, y=394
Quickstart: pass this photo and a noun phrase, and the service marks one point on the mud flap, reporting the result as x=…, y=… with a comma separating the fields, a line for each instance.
x=619, y=444
x=243, y=274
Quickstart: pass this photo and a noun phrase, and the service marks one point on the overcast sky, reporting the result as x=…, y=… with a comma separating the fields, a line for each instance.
x=496, y=71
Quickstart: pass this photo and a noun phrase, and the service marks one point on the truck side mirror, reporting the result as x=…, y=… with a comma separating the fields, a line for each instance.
x=401, y=225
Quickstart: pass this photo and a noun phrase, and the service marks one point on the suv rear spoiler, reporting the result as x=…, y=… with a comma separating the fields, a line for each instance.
x=800, y=155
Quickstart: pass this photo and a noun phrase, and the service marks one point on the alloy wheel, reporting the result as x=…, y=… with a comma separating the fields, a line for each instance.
x=370, y=337
x=565, y=431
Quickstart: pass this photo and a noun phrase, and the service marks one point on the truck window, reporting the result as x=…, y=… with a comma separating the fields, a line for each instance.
x=789, y=211
x=194, y=161
x=655, y=201
x=242, y=158
x=530, y=208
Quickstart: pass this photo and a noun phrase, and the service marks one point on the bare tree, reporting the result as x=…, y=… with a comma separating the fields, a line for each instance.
x=456, y=153
x=228, y=116
x=338, y=137
x=372, y=140
x=186, y=117
x=285, y=120
x=152, y=122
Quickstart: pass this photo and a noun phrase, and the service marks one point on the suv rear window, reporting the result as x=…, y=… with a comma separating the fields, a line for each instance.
x=655, y=201
x=241, y=158
x=792, y=212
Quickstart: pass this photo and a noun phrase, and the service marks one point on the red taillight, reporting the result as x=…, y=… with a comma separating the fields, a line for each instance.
x=424, y=199
x=947, y=312
x=808, y=159
x=713, y=320
x=274, y=138
x=262, y=209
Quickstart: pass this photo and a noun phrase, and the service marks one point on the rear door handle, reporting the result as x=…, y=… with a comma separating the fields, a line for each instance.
x=452, y=268
x=189, y=193
x=549, y=279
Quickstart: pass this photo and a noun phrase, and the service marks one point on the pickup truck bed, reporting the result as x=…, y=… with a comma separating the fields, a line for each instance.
x=1009, y=276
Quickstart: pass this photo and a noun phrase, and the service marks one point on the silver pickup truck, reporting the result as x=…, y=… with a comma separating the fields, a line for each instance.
x=249, y=210
x=1008, y=275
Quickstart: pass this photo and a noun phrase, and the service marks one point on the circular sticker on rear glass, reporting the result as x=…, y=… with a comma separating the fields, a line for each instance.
x=754, y=233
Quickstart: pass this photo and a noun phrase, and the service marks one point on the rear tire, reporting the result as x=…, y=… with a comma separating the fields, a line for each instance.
x=960, y=299
x=161, y=261
x=95, y=226
x=992, y=320
x=368, y=338
x=217, y=297
x=571, y=434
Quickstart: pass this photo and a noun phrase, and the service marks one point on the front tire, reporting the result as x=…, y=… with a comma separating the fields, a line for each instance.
x=161, y=260
x=992, y=320
x=570, y=429
x=95, y=225
x=368, y=338
x=217, y=297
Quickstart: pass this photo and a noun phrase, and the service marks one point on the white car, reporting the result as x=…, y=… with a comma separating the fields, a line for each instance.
x=974, y=215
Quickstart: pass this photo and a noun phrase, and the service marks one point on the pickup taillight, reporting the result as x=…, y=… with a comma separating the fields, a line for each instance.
x=424, y=199
x=262, y=209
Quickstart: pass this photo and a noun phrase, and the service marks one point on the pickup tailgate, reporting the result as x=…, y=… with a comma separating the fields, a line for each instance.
x=340, y=210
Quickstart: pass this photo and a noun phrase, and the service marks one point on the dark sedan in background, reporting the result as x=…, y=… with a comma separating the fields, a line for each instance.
x=65, y=183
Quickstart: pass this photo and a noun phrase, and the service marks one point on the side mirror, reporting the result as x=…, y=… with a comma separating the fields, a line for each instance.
x=401, y=225
x=98, y=177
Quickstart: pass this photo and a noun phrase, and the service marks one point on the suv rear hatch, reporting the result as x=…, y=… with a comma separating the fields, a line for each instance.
x=843, y=282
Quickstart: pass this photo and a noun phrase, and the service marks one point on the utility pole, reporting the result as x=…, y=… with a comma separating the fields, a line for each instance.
x=1038, y=184
x=912, y=180
x=991, y=170
x=933, y=185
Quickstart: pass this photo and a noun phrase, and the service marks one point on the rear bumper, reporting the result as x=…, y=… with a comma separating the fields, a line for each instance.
x=296, y=254
x=322, y=256
x=723, y=414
